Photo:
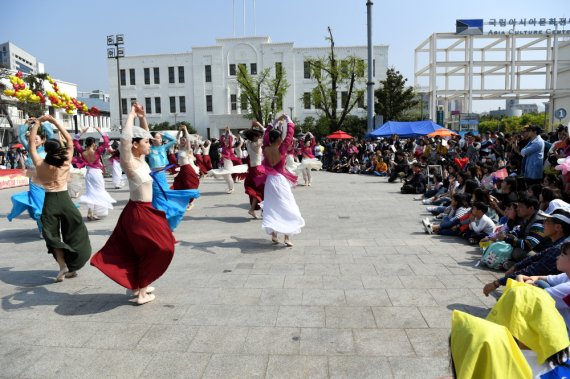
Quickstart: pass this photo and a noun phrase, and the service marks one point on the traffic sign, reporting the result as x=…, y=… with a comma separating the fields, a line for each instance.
x=560, y=113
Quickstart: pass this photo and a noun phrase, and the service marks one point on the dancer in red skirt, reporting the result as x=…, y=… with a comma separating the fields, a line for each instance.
x=206, y=155
x=189, y=175
x=197, y=147
x=255, y=180
x=141, y=247
x=238, y=160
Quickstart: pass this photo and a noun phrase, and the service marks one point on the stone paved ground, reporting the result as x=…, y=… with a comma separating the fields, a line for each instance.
x=363, y=293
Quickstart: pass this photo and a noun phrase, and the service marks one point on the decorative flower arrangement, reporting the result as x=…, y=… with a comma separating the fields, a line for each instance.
x=34, y=93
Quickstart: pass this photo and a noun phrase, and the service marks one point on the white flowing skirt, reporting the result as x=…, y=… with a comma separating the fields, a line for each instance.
x=118, y=176
x=280, y=211
x=310, y=164
x=290, y=164
x=76, y=183
x=228, y=169
x=96, y=197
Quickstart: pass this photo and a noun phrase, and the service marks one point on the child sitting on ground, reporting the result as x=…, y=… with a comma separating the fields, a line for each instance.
x=481, y=225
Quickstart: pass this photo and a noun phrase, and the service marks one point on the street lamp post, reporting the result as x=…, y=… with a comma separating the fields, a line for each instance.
x=116, y=52
x=291, y=111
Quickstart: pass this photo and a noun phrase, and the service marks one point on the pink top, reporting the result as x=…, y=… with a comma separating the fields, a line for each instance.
x=227, y=142
x=308, y=147
x=100, y=150
x=279, y=168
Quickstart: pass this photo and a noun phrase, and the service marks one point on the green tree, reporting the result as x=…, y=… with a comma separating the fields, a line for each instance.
x=333, y=75
x=263, y=93
x=393, y=99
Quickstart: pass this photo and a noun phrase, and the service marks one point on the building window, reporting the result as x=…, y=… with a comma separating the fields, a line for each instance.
x=170, y=74
x=123, y=77
x=124, y=106
x=209, y=107
x=182, y=105
x=343, y=98
x=180, y=74
x=132, y=76
x=208, y=72
x=243, y=102
x=172, y=104
x=278, y=68
x=233, y=102
x=156, y=75
x=307, y=100
x=148, y=104
x=147, y=75
x=157, y=107
x=253, y=68
x=307, y=69
x=232, y=69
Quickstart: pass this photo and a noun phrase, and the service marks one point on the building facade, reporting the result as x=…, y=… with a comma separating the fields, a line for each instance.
x=15, y=58
x=201, y=86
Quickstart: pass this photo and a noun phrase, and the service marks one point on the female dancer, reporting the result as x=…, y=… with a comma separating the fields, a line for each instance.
x=238, y=159
x=197, y=147
x=280, y=211
x=255, y=180
x=172, y=202
x=96, y=197
x=141, y=247
x=206, y=155
x=188, y=177
x=32, y=200
x=115, y=160
x=308, y=161
x=228, y=156
x=63, y=228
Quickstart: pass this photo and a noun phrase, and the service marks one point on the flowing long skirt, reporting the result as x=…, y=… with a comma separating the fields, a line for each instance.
x=200, y=163
x=31, y=201
x=63, y=228
x=171, y=202
x=207, y=162
x=290, y=164
x=280, y=211
x=229, y=168
x=118, y=176
x=186, y=178
x=310, y=164
x=96, y=197
x=254, y=184
x=140, y=248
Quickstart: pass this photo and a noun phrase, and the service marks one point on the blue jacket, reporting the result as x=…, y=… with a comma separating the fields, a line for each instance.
x=533, y=153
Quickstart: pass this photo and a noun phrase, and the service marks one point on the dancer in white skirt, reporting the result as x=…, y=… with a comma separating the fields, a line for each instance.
x=227, y=141
x=96, y=197
x=308, y=162
x=280, y=211
x=115, y=159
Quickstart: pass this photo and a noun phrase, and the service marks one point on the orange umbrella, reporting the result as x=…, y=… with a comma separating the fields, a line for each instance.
x=442, y=133
x=339, y=134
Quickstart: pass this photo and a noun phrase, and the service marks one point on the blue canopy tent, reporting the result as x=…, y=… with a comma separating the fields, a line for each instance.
x=405, y=129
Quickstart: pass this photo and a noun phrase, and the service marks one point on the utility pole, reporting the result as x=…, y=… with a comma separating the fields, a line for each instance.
x=370, y=84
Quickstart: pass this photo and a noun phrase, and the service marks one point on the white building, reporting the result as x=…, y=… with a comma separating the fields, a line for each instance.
x=15, y=58
x=201, y=86
x=563, y=79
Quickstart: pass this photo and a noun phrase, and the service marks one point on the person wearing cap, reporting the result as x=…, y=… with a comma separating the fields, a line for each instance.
x=557, y=228
x=254, y=182
x=64, y=231
x=533, y=154
x=141, y=246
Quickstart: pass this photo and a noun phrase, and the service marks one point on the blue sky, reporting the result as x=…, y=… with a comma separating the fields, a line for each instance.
x=69, y=37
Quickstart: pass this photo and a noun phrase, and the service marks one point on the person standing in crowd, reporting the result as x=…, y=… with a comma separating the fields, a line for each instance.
x=141, y=246
x=115, y=160
x=255, y=180
x=189, y=175
x=533, y=154
x=31, y=201
x=96, y=198
x=280, y=211
x=171, y=202
x=63, y=230
x=2, y=158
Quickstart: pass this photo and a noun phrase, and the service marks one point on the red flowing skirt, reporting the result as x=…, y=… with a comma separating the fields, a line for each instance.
x=200, y=163
x=254, y=184
x=207, y=162
x=186, y=178
x=140, y=248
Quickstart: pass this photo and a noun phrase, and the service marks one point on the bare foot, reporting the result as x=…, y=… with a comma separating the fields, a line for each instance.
x=189, y=207
x=149, y=289
x=288, y=242
x=252, y=214
x=147, y=298
x=274, y=239
x=61, y=275
x=71, y=275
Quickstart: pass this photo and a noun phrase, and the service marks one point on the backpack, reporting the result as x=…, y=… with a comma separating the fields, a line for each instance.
x=496, y=254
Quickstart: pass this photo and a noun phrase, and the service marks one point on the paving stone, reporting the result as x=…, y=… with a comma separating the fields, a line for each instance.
x=301, y=316
x=415, y=297
x=429, y=342
x=367, y=297
x=342, y=367
x=382, y=281
x=219, y=339
x=297, y=367
x=303, y=281
x=349, y=317
x=421, y=281
x=320, y=341
x=419, y=368
x=265, y=281
x=169, y=364
x=236, y=366
x=323, y=297
x=374, y=342
x=342, y=282
x=273, y=341
x=322, y=269
x=167, y=338
x=281, y=297
x=398, y=317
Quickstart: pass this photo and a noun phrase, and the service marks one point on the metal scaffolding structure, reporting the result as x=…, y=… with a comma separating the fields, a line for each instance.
x=489, y=67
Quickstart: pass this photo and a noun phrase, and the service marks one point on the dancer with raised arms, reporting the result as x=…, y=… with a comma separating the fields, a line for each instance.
x=255, y=180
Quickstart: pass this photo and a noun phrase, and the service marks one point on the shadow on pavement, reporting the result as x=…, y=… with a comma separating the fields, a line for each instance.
x=19, y=235
x=471, y=309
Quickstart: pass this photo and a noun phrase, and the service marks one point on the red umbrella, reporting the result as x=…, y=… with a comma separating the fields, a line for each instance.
x=339, y=134
x=17, y=146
